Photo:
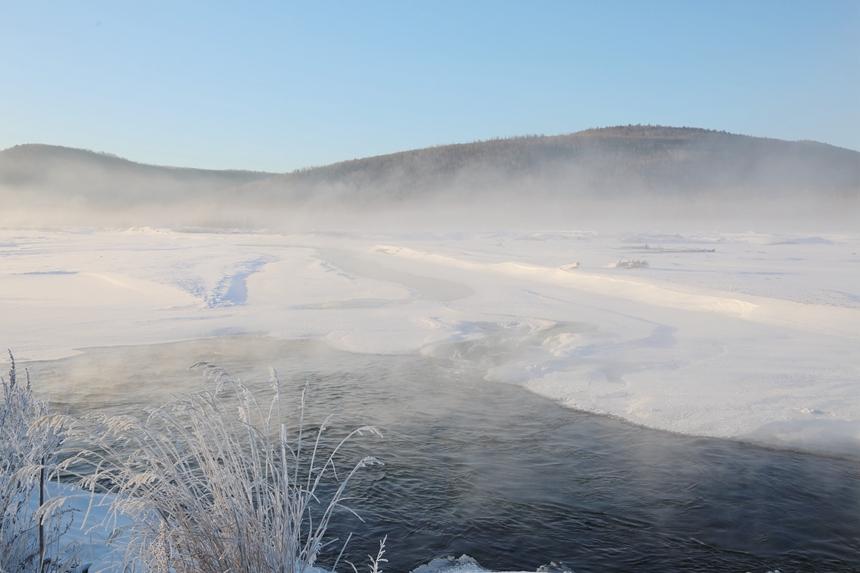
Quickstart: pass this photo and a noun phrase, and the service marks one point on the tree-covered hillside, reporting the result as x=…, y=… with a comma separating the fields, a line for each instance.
x=36, y=172
x=636, y=169
x=604, y=162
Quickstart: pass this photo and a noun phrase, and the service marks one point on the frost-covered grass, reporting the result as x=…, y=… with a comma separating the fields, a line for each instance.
x=31, y=525
x=216, y=482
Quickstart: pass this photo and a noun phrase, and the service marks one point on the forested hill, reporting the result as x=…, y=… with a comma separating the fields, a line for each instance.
x=597, y=163
x=596, y=166
x=41, y=173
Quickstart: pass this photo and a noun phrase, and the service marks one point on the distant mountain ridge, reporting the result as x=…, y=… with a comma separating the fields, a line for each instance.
x=105, y=180
x=608, y=162
x=606, y=167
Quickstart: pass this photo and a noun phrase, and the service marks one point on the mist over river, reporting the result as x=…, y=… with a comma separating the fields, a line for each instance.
x=512, y=479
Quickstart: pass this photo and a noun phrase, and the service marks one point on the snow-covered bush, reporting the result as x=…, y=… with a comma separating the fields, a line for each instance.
x=30, y=526
x=210, y=491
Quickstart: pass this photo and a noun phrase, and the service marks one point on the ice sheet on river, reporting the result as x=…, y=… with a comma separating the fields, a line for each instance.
x=745, y=336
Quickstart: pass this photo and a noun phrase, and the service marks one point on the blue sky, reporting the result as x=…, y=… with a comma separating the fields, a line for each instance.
x=277, y=86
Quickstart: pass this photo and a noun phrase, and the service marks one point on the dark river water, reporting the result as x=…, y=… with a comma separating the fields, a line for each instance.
x=509, y=478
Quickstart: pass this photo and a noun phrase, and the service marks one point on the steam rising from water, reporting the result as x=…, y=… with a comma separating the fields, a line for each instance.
x=509, y=478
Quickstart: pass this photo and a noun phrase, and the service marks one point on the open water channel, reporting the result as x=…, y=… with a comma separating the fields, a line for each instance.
x=507, y=477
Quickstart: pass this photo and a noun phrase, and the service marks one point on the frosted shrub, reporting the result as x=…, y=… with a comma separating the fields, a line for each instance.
x=214, y=490
x=30, y=527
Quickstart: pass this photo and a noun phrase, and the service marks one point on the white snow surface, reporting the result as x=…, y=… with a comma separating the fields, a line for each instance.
x=745, y=336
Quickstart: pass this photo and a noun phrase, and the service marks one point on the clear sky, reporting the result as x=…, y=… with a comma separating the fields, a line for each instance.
x=280, y=85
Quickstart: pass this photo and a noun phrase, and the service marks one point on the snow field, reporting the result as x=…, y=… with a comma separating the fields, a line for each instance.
x=743, y=336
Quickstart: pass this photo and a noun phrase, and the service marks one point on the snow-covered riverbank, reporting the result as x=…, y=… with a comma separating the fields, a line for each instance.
x=743, y=336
